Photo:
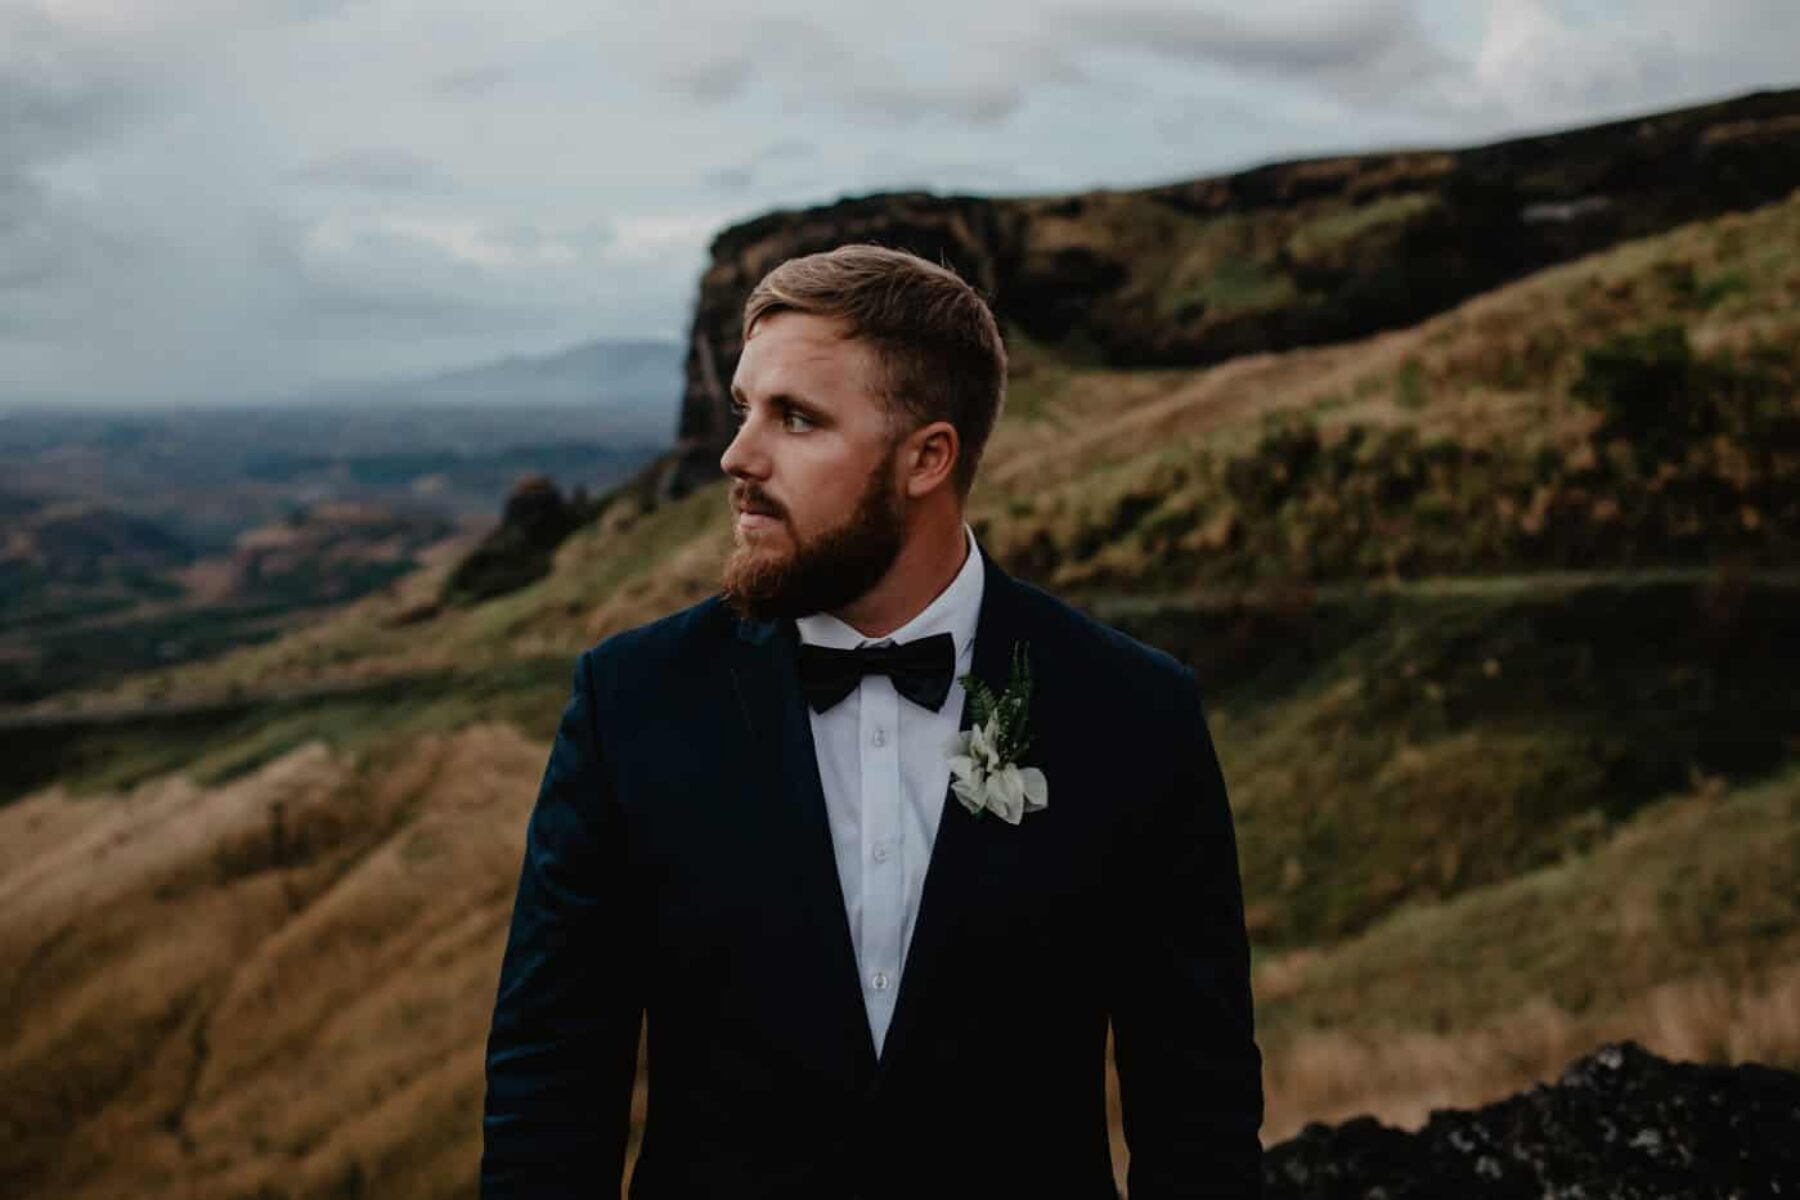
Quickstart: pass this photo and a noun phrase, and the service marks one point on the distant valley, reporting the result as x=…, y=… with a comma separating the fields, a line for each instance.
x=131, y=539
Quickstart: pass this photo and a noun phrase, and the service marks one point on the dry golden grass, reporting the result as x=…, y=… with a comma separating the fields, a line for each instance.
x=1401, y=1076
x=206, y=1007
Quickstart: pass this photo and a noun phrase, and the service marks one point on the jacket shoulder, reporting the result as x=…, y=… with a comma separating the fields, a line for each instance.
x=1103, y=648
x=688, y=636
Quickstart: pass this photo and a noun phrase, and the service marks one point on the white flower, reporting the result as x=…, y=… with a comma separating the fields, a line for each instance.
x=981, y=780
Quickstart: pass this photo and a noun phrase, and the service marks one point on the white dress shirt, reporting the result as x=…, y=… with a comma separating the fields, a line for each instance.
x=884, y=766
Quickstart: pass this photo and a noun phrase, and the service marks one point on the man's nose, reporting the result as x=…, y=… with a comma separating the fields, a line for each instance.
x=742, y=457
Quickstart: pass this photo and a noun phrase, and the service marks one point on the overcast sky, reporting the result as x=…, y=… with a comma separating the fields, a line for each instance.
x=224, y=199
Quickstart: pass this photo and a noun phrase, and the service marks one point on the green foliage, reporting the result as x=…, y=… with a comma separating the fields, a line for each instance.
x=1692, y=293
x=1647, y=384
x=218, y=742
x=1009, y=707
x=1667, y=403
x=75, y=652
x=1409, y=385
x=1241, y=284
x=1718, y=288
x=1339, y=227
x=1696, y=457
x=1457, y=736
x=1690, y=886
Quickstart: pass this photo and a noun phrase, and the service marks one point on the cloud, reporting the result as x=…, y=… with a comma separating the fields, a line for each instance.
x=825, y=58
x=56, y=103
x=1538, y=61
x=386, y=169
x=729, y=179
x=787, y=149
x=399, y=253
x=399, y=282
x=394, y=274
x=714, y=78
x=470, y=82
x=908, y=172
x=782, y=156
x=1372, y=53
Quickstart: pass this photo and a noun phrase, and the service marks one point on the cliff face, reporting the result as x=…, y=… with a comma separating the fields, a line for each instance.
x=1286, y=255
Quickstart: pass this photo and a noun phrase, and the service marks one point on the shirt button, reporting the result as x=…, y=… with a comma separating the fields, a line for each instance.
x=880, y=737
x=881, y=852
x=880, y=980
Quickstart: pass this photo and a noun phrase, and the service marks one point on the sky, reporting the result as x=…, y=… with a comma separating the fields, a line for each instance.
x=238, y=200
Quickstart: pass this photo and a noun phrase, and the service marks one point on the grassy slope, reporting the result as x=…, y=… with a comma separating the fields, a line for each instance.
x=1681, y=930
x=271, y=987
x=1550, y=782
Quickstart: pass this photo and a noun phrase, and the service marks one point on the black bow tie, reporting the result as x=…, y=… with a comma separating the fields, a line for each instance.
x=921, y=670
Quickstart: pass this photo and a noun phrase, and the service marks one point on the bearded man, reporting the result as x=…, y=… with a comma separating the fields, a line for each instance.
x=878, y=839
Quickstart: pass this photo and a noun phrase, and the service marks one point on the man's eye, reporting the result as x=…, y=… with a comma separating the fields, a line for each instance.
x=739, y=412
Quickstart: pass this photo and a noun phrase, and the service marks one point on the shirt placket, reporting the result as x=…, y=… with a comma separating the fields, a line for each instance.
x=883, y=879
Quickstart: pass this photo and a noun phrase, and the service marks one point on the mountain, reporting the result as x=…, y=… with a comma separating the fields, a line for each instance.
x=629, y=390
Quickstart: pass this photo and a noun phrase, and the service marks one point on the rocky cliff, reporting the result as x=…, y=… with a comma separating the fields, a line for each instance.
x=1285, y=255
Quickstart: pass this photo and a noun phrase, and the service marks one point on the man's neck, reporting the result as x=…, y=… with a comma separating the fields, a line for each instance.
x=925, y=566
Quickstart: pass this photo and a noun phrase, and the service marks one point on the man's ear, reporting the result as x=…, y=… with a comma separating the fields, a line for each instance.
x=930, y=457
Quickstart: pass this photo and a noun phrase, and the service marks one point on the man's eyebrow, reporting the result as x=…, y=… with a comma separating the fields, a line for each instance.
x=786, y=398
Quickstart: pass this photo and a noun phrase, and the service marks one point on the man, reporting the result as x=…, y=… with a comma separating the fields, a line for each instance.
x=876, y=941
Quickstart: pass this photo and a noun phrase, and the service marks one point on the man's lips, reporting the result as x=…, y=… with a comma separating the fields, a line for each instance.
x=752, y=516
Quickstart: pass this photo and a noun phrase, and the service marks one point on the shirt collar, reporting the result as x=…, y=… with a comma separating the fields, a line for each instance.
x=954, y=610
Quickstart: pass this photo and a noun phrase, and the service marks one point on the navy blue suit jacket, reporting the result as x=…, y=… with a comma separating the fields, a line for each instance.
x=679, y=867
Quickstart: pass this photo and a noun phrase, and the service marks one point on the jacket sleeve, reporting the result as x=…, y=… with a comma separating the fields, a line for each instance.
x=562, y=1047
x=1190, y=1072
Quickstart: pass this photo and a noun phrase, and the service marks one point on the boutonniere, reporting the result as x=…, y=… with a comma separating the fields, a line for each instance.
x=984, y=763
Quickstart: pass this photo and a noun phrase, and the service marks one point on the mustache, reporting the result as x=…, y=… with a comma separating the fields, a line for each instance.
x=754, y=501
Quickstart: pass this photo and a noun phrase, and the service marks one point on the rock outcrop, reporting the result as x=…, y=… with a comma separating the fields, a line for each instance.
x=534, y=523
x=1620, y=1124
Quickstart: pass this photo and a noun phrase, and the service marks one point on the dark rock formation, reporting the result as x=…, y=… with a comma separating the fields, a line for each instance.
x=536, y=520
x=1620, y=1123
x=1285, y=255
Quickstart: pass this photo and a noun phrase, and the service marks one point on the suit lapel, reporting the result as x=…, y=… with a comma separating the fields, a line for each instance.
x=774, y=709
x=957, y=849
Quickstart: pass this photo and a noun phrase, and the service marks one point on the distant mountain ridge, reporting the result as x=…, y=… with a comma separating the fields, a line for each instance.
x=630, y=389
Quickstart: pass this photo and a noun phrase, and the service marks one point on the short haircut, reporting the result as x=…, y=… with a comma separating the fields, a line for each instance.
x=942, y=354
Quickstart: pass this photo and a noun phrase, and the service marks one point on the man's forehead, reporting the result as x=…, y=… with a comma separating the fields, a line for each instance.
x=802, y=333
x=770, y=356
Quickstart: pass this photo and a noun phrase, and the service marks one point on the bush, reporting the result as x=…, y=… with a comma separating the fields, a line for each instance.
x=1650, y=389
